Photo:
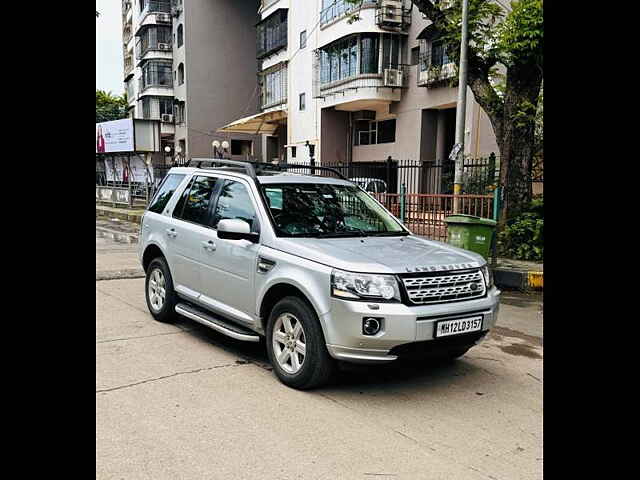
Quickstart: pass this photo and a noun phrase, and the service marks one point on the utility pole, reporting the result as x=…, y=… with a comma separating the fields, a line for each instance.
x=461, y=110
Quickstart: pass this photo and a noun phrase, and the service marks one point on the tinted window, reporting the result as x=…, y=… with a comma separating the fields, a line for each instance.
x=162, y=197
x=234, y=202
x=387, y=131
x=196, y=203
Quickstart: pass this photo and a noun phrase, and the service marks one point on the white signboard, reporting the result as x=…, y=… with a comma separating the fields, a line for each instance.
x=115, y=136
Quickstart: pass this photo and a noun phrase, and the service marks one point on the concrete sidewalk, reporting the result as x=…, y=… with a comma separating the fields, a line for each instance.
x=128, y=214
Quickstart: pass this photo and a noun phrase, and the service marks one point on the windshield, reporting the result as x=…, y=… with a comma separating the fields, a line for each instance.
x=324, y=210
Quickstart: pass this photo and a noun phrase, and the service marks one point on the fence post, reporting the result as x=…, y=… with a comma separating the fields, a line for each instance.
x=496, y=212
x=389, y=163
x=403, y=191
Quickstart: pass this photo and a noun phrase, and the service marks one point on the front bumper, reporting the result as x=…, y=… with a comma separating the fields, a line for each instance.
x=401, y=325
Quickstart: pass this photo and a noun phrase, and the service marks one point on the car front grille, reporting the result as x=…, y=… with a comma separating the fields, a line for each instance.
x=438, y=287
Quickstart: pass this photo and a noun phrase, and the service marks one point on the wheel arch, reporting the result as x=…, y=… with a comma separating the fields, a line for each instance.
x=277, y=292
x=150, y=252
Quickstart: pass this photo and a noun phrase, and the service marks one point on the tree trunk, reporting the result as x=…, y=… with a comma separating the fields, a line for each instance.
x=517, y=142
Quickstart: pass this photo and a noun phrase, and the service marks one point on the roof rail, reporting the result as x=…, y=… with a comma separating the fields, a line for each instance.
x=247, y=166
x=285, y=166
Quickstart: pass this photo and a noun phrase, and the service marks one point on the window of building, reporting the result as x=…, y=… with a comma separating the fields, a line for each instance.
x=369, y=46
x=370, y=132
x=165, y=192
x=194, y=205
x=181, y=74
x=293, y=152
x=303, y=39
x=391, y=44
x=272, y=33
x=415, y=55
x=157, y=73
x=180, y=35
x=165, y=106
x=439, y=56
x=242, y=147
x=339, y=60
x=274, y=86
x=302, y=101
x=153, y=37
x=179, y=112
x=234, y=202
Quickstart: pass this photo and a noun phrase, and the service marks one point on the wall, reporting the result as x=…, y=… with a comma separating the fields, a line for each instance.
x=220, y=70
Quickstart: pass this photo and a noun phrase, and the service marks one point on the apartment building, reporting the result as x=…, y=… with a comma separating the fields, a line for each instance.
x=357, y=90
x=190, y=65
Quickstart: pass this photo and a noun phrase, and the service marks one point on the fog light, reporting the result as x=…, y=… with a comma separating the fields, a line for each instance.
x=371, y=325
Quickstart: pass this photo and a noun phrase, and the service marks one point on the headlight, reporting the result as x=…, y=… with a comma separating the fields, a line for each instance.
x=363, y=286
x=488, y=277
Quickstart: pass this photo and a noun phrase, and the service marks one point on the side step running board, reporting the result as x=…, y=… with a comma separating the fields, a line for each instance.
x=226, y=328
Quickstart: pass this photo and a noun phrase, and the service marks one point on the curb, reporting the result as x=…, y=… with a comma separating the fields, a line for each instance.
x=129, y=216
x=519, y=279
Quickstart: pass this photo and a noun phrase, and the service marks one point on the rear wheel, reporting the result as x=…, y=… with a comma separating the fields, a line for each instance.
x=161, y=299
x=296, y=345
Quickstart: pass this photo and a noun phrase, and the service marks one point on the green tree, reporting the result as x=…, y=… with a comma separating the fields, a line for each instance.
x=505, y=73
x=110, y=107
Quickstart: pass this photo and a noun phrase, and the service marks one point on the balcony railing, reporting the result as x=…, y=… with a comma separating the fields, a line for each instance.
x=390, y=78
x=340, y=8
x=436, y=70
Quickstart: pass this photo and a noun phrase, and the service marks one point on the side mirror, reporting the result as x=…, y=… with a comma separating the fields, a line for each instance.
x=235, y=229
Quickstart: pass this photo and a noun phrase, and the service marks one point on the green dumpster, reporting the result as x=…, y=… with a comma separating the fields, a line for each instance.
x=471, y=233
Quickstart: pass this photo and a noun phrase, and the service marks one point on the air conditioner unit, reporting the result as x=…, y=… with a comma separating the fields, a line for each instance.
x=392, y=77
x=164, y=46
x=166, y=118
x=163, y=18
x=391, y=11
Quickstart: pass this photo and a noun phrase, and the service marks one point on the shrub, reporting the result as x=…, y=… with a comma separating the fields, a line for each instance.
x=522, y=238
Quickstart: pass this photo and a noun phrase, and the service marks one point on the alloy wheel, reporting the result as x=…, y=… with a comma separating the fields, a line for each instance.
x=289, y=343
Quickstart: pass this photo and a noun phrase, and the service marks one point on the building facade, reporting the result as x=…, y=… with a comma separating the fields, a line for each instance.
x=358, y=90
x=191, y=64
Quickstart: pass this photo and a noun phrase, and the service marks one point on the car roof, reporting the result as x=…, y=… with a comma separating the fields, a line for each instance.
x=271, y=178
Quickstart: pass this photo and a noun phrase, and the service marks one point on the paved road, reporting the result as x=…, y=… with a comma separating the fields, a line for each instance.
x=181, y=401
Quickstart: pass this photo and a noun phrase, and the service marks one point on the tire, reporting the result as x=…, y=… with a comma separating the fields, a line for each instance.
x=315, y=367
x=163, y=311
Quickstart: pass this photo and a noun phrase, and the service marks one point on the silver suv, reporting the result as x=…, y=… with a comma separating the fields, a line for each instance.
x=314, y=264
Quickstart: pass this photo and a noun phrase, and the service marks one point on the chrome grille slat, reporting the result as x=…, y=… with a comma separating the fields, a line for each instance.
x=447, y=287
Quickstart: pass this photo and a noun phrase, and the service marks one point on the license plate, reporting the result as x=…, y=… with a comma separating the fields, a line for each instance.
x=459, y=325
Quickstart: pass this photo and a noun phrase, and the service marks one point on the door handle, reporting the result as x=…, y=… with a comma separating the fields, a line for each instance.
x=171, y=232
x=209, y=246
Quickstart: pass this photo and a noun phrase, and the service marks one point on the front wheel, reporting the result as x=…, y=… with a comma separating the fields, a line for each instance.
x=296, y=345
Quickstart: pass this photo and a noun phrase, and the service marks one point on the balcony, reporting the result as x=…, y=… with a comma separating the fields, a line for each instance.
x=157, y=77
x=338, y=9
x=436, y=70
x=272, y=34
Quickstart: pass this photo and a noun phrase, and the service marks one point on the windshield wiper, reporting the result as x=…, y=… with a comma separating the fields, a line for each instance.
x=353, y=233
x=388, y=234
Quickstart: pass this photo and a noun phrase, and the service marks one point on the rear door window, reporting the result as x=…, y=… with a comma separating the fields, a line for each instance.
x=165, y=192
x=194, y=204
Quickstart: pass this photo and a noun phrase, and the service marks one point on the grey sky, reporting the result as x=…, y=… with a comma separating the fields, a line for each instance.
x=109, y=66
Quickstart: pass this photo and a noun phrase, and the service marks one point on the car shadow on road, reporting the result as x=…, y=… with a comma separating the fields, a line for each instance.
x=402, y=372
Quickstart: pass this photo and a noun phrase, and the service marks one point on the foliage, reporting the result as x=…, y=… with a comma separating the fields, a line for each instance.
x=110, y=107
x=522, y=237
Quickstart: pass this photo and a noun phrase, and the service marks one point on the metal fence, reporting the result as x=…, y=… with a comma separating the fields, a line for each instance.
x=419, y=193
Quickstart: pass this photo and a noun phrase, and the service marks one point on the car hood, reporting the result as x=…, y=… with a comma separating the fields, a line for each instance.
x=381, y=254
